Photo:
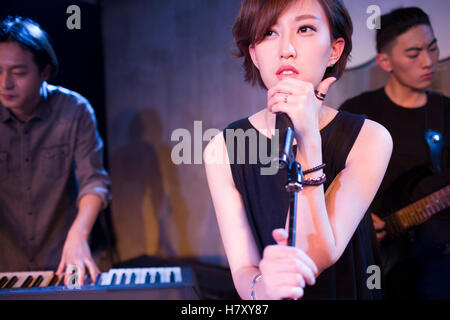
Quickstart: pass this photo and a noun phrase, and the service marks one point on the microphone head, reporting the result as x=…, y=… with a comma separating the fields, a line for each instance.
x=283, y=121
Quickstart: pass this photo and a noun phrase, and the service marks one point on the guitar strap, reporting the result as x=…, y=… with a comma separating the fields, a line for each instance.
x=435, y=125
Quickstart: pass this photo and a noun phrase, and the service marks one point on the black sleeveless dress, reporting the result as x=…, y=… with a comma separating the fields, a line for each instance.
x=267, y=204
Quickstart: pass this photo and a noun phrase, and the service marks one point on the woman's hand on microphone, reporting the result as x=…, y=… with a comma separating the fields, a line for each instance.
x=300, y=104
x=285, y=270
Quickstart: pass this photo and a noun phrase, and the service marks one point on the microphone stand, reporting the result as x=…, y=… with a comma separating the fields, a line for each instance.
x=293, y=186
x=288, y=161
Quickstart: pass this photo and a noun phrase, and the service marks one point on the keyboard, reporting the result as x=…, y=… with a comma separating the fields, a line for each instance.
x=154, y=283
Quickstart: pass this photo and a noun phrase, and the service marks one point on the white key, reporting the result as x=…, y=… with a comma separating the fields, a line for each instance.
x=140, y=276
x=119, y=273
x=152, y=272
x=106, y=278
x=165, y=275
x=128, y=273
x=177, y=273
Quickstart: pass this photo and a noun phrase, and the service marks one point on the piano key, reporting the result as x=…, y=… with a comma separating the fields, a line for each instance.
x=118, y=276
x=133, y=278
x=60, y=281
x=128, y=273
x=3, y=281
x=161, y=276
x=178, y=277
x=11, y=282
x=113, y=280
x=140, y=276
x=136, y=276
x=53, y=281
x=38, y=281
x=123, y=279
x=105, y=278
x=98, y=281
x=165, y=275
x=27, y=282
x=148, y=277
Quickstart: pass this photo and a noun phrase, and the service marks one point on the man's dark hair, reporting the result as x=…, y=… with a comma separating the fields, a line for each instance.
x=29, y=35
x=397, y=22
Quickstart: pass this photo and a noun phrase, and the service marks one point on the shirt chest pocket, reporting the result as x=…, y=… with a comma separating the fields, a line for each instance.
x=55, y=161
x=3, y=165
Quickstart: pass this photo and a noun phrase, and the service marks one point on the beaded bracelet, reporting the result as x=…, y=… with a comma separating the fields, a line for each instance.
x=314, y=169
x=315, y=181
x=255, y=279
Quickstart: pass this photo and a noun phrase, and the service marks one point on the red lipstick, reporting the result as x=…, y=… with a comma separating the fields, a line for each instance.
x=287, y=71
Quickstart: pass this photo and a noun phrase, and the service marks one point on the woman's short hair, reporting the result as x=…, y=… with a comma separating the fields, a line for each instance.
x=256, y=17
x=397, y=22
x=31, y=37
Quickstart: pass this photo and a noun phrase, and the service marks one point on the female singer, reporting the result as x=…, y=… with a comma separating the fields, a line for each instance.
x=296, y=49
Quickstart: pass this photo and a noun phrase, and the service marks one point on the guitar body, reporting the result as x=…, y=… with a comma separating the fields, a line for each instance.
x=410, y=204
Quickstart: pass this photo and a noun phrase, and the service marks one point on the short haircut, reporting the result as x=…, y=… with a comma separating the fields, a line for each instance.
x=30, y=36
x=256, y=17
x=397, y=22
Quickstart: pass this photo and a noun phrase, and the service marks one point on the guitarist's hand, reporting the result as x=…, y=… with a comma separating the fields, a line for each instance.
x=379, y=225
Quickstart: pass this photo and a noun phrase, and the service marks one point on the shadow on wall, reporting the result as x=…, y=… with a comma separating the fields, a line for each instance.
x=150, y=214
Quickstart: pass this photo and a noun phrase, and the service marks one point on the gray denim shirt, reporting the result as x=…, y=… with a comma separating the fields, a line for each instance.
x=46, y=165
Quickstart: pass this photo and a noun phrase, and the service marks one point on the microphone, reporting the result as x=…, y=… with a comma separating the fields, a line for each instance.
x=286, y=130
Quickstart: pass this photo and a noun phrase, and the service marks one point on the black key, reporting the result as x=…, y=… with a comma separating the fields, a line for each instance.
x=172, y=276
x=123, y=280
x=98, y=280
x=11, y=282
x=113, y=279
x=61, y=282
x=133, y=278
x=148, y=278
x=157, y=277
x=3, y=281
x=37, y=282
x=27, y=282
x=53, y=281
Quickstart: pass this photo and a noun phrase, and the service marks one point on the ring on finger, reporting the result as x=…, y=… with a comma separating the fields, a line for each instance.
x=286, y=95
x=319, y=95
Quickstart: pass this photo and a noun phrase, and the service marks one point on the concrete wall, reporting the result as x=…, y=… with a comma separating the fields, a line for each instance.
x=167, y=65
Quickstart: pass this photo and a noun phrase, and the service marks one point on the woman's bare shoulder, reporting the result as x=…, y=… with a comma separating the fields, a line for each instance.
x=373, y=140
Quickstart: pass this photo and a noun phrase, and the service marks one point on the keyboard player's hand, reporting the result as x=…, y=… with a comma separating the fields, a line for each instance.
x=76, y=253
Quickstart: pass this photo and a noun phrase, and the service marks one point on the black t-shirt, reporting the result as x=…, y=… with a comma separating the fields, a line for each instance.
x=408, y=178
x=410, y=157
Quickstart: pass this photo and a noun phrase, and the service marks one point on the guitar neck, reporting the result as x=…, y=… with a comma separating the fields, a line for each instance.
x=418, y=212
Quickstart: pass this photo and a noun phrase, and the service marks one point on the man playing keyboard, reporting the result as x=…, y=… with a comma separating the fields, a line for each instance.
x=52, y=180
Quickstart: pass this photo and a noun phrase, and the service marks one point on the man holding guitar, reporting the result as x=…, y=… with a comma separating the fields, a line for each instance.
x=410, y=211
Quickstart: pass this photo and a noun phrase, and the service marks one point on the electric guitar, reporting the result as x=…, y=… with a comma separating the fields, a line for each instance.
x=410, y=209
x=417, y=212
